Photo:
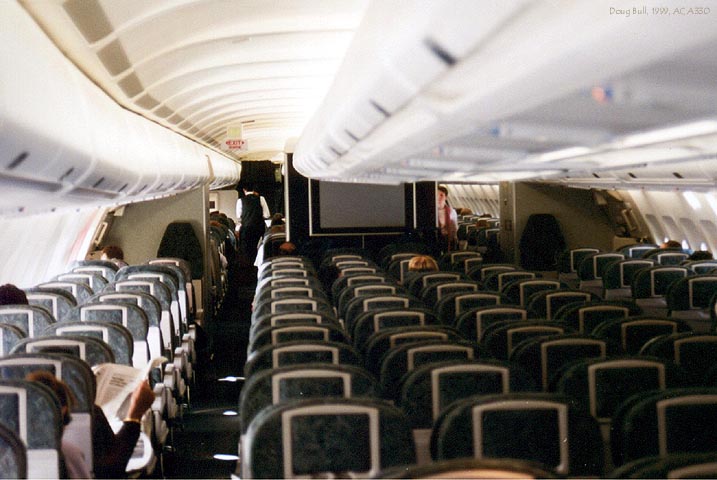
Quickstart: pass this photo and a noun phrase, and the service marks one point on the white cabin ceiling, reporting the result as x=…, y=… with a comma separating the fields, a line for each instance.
x=201, y=66
x=449, y=90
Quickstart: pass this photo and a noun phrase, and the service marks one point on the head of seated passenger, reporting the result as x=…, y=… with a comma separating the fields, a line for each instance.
x=11, y=295
x=114, y=254
x=277, y=219
x=422, y=263
x=671, y=244
x=61, y=390
x=701, y=255
x=287, y=248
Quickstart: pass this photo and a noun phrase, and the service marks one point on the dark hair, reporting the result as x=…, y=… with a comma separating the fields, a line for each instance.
x=60, y=388
x=700, y=255
x=113, y=251
x=11, y=295
x=443, y=189
x=277, y=219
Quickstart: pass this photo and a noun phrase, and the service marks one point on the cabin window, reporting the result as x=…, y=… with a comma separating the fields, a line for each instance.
x=710, y=233
x=654, y=226
x=671, y=229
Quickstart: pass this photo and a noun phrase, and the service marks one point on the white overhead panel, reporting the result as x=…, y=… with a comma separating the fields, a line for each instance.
x=65, y=144
x=198, y=66
x=464, y=90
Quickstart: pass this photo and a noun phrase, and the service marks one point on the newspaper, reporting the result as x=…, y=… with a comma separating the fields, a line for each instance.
x=115, y=384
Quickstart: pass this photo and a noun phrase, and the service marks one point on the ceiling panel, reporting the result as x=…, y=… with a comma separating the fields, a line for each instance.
x=200, y=66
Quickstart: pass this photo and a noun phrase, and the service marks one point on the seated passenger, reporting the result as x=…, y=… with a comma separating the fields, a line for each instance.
x=114, y=254
x=700, y=255
x=11, y=295
x=287, y=248
x=74, y=461
x=422, y=263
x=671, y=244
x=111, y=451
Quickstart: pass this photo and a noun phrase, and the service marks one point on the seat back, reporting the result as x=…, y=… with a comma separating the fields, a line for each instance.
x=692, y=293
x=402, y=359
x=452, y=306
x=32, y=320
x=519, y=291
x=435, y=292
x=32, y=411
x=95, y=281
x=128, y=315
x=619, y=275
x=569, y=260
x=286, y=319
x=585, y=317
x=637, y=250
x=360, y=305
x=539, y=427
x=695, y=352
x=382, y=341
x=116, y=336
x=89, y=349
x=57, y=301
x=168, y=325
x=79, y=378
x=601, y=385
x=291, y=304
x=677, y=420
x=290, y=333
x=13, y=454
x=502, y=338
x=429, y=389
x=546, y=303
x=634, y=332
x=675, y=465
x=654, y=282
x=360, y=290
x=277, y=385
x=81, y=292
x=701, y=266
x=9, y=337
x=499, y=280
x=594, y=265
x=543, y=357
x=421, y=280
x=152, y=308
x=473, y=323
x=347, y=437
x=302, y=351
x=483, y=271
x=668, y=257
x=105, y=268
x=378, y=320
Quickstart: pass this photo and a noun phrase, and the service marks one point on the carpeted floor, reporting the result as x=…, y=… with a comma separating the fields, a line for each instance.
x=206, y=429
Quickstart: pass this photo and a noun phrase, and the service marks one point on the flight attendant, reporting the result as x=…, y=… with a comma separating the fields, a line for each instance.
x=251, y=212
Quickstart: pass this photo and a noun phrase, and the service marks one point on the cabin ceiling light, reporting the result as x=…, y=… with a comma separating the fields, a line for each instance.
x=679, y=132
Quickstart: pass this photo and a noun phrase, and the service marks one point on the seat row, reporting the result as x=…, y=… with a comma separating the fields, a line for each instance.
x=274, y=428
x=98, y=314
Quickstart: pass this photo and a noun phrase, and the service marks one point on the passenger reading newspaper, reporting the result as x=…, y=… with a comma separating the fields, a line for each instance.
x=124, y=397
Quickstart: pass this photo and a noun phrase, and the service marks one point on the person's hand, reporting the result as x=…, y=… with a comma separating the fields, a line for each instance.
x=141, y=399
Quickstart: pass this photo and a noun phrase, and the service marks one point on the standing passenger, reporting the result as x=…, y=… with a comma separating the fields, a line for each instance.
x=447, y=222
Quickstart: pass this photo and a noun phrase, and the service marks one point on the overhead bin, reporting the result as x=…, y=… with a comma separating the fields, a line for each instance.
x=64, y=142
x=537, y=76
